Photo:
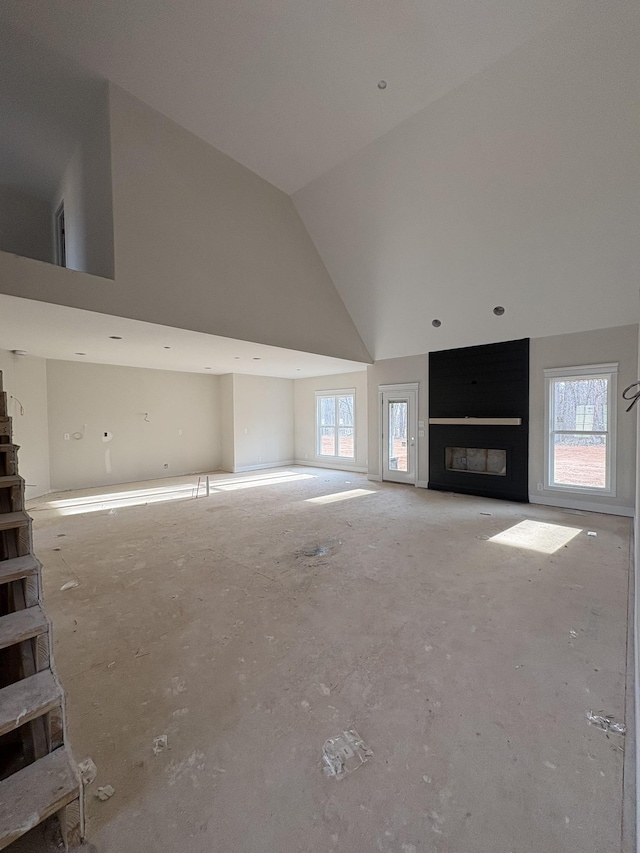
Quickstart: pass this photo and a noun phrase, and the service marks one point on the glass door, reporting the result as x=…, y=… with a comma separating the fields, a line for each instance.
x=399, y=462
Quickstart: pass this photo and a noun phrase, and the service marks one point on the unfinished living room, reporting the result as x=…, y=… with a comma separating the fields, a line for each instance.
x=319, y=383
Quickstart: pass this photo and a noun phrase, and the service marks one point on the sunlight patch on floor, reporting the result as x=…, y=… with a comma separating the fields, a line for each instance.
x=537, y=536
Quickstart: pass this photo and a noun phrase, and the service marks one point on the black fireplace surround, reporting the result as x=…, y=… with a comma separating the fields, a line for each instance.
x=490, y=381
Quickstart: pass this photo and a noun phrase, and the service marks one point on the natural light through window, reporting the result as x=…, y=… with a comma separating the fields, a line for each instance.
x=161, y=494
x=537, y=536
x=335, y=424
x=340, y=496
x=581, y=428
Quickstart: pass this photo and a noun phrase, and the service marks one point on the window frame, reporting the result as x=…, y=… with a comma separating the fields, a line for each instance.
x=587, y=371
x=341, y=392
x=60, y=236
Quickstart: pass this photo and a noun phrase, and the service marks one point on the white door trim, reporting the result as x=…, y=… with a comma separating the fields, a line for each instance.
x=400, y=389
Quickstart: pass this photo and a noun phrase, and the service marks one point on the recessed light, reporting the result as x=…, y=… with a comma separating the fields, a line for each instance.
x=498, y=310
x=236, y=356
x=115, y=337
x=256, y=358
x=19, y=351
x=167, y=347
x=382, y=84
x=436, y=323
x=81, y=353
x=207, y=368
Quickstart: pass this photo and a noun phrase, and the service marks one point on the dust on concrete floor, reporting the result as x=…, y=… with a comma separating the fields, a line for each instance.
x=467, y=664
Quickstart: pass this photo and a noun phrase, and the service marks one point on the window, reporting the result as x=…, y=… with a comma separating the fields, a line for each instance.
x=335, y=424
x=59, y=236
x=581, y=428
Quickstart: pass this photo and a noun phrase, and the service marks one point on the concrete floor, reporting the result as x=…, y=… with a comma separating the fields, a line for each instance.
x=467, y=664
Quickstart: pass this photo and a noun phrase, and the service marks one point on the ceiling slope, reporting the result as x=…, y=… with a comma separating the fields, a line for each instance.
x=518, y=189
x=287, y=88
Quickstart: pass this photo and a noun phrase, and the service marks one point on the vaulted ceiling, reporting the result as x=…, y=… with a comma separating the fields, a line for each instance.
x=286, y=87
x=498, y=167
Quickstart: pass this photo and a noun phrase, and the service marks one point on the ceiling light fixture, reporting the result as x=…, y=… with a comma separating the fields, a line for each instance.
x=256, y=358
x=81, y=353
x=115, y=337
x=498, y=310
x=19, y=351
x=167, y=347
x=382, y=84
x=207, y=368
x=436, y=323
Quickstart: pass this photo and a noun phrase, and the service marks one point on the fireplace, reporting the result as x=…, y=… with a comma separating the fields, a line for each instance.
x=476, y=460
x=478, y=424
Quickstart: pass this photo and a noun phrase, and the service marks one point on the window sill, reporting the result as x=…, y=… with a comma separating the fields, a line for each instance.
x=580, y=490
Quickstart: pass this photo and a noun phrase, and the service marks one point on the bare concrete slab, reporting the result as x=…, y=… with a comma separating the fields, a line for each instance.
x=291, y=605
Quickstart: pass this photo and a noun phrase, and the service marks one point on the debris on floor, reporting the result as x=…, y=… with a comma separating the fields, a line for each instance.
x=573, y=635
x=591, y=533
x=159, y=744
x=105, y=792
x=486, y=513
x=319, y=549
x=607, y=723
x=344, y=753
x=88, y=771
x=69, y=585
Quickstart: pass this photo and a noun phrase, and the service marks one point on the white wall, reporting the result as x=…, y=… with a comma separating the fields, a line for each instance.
x=227, y=437
x=263, y=422
x=396, y=371
x=305, y=418
x=25, y=225
x=25, y=381
x=203, y=243
x=90, y=399
x=596, y=347
x=86, y=190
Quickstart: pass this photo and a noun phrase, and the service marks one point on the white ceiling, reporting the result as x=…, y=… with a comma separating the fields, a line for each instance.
x=58, y=332
x=287, y=88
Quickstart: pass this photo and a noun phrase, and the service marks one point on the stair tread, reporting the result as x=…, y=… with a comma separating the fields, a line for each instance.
x=10, y=480
x=10, y=520
x=18, y=567
x=35, y=793
x=27, y=699
x=8, y=446
x=22, y=625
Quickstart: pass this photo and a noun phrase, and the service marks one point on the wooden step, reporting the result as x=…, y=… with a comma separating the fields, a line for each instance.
x=27, y=699
x=7, y=446
x=35, y=793
x=22, y=625
x=17, y=568
x=11, y=520
x=9, y=481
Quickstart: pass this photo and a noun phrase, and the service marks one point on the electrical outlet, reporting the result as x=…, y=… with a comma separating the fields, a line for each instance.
x=166, y=465
x=179, y=432
x=539, y=487
x=67, y=436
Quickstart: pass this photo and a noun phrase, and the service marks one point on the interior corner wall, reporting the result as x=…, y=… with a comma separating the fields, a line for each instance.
x=203, y=243
x=142, y=411
x=86, y=189
x=263, y=422
x=25, y=225
x=601, y=346
x=25, y=381
x=397, y=371
x=305, y=419
x=227, y=438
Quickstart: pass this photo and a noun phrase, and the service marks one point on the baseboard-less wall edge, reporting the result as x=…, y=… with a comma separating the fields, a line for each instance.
x=314, y=463
x=242, y=468
x=375, y=478
x=587, y=506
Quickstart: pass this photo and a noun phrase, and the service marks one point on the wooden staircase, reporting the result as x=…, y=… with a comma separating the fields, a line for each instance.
x=38, y=777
